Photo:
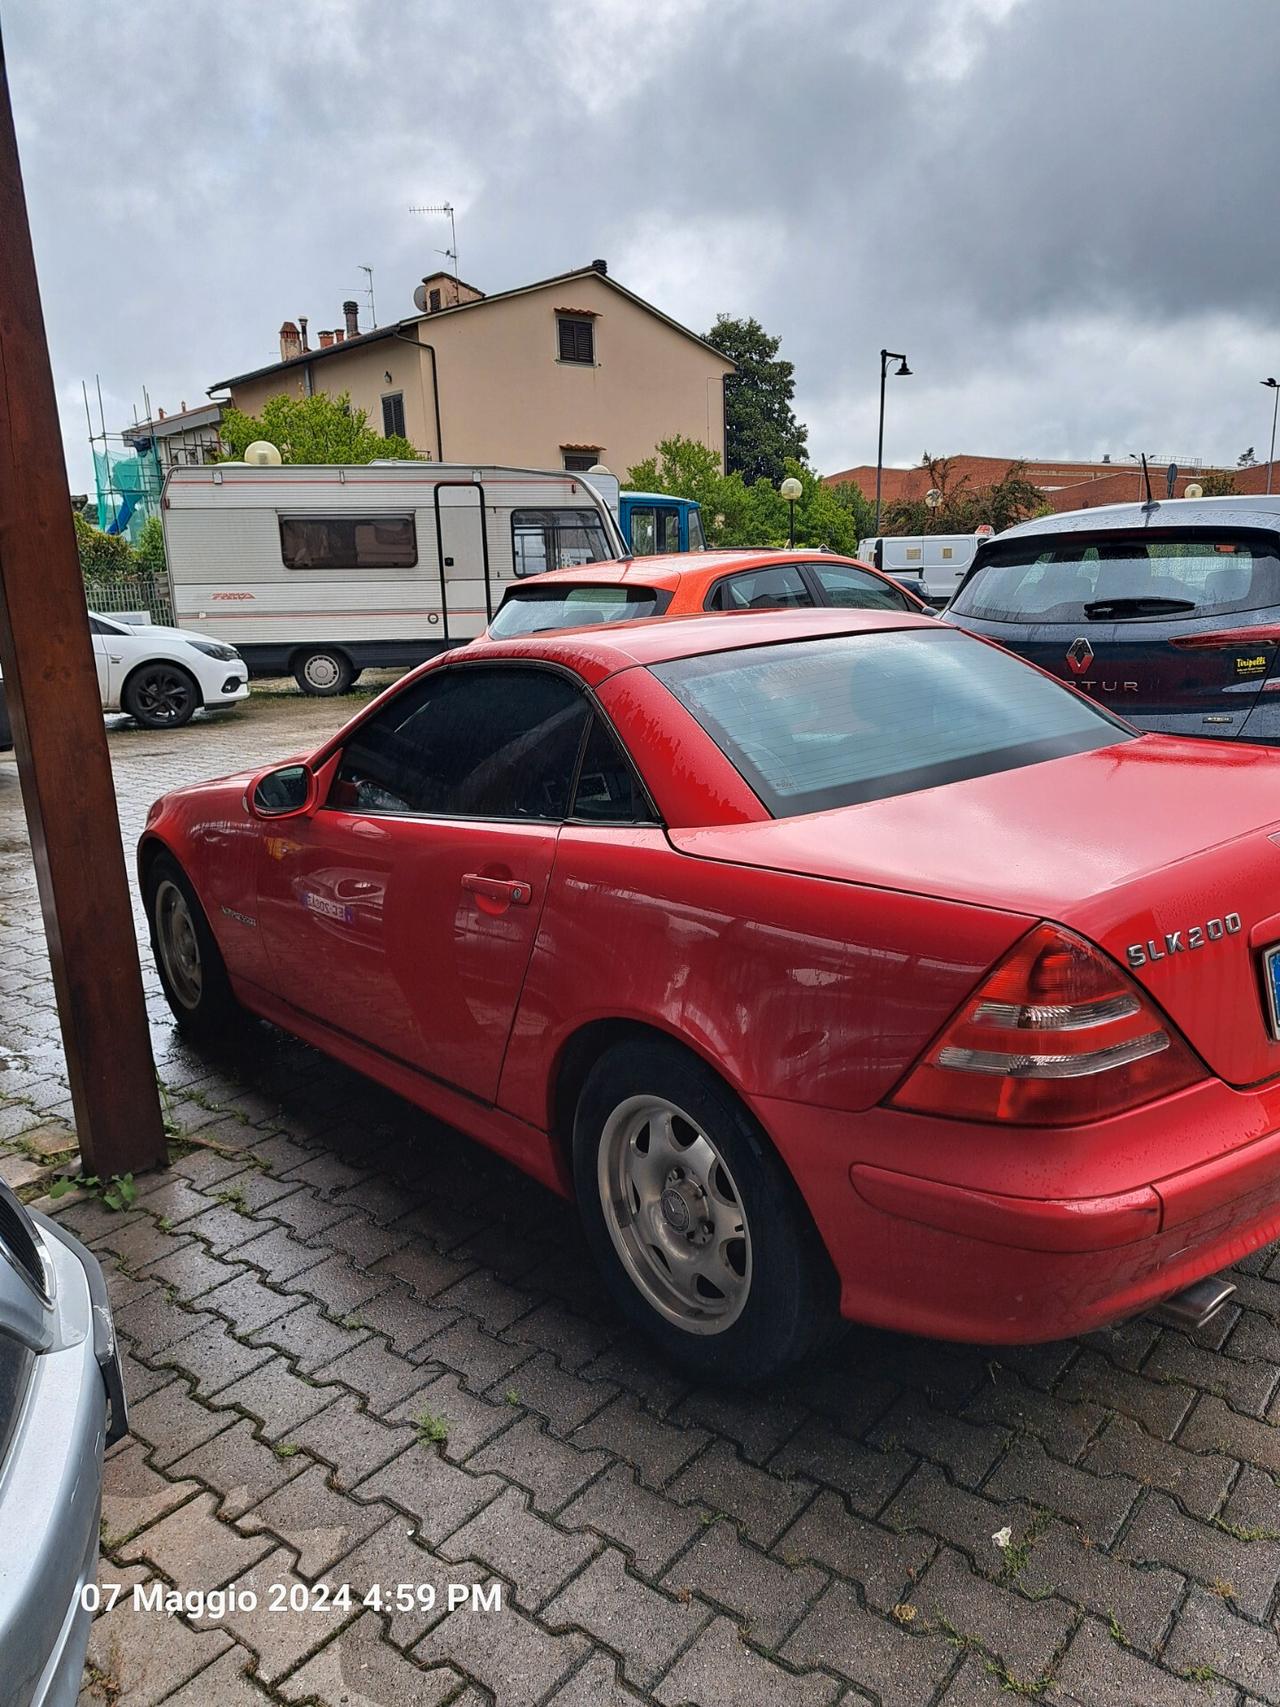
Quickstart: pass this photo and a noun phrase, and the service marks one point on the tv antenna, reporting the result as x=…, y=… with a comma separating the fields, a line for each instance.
x=451, y=253
x=367, y=290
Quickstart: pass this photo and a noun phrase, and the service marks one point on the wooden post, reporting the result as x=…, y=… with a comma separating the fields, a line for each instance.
x=52, y=687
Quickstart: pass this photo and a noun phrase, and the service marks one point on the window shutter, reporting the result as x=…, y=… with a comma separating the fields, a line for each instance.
x=393, y=415
x=577, y=342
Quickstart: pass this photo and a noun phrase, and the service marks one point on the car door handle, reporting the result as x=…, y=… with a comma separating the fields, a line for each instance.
x=511, y=890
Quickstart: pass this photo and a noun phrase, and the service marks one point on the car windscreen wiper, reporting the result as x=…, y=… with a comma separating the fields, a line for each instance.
x=1119, y=610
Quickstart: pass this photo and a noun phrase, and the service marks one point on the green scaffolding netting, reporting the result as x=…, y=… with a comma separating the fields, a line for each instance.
x=128, y=490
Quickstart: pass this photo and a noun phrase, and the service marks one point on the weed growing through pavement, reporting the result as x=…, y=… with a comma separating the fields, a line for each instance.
x=118, y=1192
x=431, y=1428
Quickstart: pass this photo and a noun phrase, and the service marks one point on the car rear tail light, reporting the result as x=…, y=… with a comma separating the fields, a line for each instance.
x=1227, y=639
x=1056, y=1035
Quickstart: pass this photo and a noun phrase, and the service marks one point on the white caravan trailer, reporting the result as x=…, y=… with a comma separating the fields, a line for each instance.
x=323, y=571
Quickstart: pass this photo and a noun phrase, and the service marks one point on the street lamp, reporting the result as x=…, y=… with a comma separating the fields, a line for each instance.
x=791, y=489
x=902, y=371
x=1275, y=386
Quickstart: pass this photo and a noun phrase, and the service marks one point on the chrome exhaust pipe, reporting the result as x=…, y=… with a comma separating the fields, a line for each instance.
x=1195, y=1304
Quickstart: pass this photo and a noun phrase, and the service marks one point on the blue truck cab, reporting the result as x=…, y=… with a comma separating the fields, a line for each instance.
x=654, y=522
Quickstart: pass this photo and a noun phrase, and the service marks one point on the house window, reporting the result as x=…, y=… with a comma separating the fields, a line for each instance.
x=577, y=340
x=393, y=415
x=579, y=461
x=348, y=542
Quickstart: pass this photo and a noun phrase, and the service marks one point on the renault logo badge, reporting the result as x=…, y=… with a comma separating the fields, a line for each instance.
x=1080, y=655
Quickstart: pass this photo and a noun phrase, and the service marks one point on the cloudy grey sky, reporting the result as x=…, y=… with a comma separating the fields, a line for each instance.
x=1063, y=210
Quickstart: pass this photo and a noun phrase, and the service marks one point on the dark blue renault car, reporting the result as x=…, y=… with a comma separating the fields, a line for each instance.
x=1167, y=613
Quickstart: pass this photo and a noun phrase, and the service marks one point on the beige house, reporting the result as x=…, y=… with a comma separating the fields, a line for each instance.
x=564, y=373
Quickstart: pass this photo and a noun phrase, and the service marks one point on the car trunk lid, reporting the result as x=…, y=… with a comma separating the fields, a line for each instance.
x=1136, y=846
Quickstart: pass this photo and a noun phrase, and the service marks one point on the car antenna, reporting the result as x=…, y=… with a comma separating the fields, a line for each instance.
x=1146, y=475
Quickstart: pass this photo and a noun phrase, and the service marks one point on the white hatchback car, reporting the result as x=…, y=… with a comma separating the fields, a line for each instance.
x=160, y=676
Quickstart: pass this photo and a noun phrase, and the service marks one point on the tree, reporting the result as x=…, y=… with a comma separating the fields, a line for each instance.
x=963, y=506
x=1246, y=459
x=761, y=427
x=312, y=429
x=683, y=467
x=737, y=513
x=101, y=553
x=149, y=551
x=1217, y=484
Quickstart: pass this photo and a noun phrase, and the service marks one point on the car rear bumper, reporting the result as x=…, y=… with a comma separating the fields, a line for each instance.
x=973, y=1262
x=51, y=1484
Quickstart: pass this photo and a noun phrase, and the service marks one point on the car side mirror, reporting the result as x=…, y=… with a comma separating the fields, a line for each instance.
x=285, y=792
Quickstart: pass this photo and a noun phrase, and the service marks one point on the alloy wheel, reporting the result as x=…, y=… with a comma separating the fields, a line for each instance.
x=675, y=1215
x=178, y=944
x=162, y=696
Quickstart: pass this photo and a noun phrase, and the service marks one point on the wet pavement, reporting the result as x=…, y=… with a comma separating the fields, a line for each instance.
x=366, y=1354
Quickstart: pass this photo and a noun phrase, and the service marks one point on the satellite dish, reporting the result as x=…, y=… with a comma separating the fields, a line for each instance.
x=1194, y=490
x=420, y=299
x=262, y=454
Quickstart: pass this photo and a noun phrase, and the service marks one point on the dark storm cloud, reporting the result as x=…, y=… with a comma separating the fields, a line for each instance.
x=1062, y=208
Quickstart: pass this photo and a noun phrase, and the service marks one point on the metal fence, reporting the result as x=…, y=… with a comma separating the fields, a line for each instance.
x=130, y=595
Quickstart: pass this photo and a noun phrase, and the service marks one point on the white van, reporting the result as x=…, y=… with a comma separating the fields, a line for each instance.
x=322, y=571
x=931, y=564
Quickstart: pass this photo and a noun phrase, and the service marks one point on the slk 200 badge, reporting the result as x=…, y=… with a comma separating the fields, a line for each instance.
x=1176, y=942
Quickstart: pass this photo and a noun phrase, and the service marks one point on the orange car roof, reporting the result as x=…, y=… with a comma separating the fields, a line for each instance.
x=668, y=570
x=603, y=649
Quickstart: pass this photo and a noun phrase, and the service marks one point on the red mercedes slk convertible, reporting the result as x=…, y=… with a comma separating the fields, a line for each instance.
x=839, y=963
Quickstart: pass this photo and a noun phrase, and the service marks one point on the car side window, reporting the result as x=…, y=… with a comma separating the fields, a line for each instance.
x=856, y=589
x=468, y=743
x=781, y=587
x=607, y=791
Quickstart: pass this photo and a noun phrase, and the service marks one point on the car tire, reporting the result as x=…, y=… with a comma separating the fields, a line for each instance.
x=324, y=671
x=700, y=1232
x=161, y=695
x=192, y=971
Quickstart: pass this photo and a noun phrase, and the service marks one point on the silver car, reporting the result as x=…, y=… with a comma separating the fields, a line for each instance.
x=61, y=1403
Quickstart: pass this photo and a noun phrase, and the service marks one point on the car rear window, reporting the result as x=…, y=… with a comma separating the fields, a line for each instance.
x=834, y=721
x=528, y=610
x=1078, y=578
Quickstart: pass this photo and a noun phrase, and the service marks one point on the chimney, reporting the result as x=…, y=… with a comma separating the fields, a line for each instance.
x=184, y=405
x=290, y=341
x=600, y=267
x=302, y=333
x=339, y=336
x=351, y=313
x=161, y=416
x=326, y=340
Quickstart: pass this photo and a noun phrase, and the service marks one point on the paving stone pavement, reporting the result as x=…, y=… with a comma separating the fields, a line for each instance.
x=363, y=1352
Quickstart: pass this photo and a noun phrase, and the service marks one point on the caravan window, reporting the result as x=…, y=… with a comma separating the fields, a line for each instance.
x=556, y=539
x=348, y=542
